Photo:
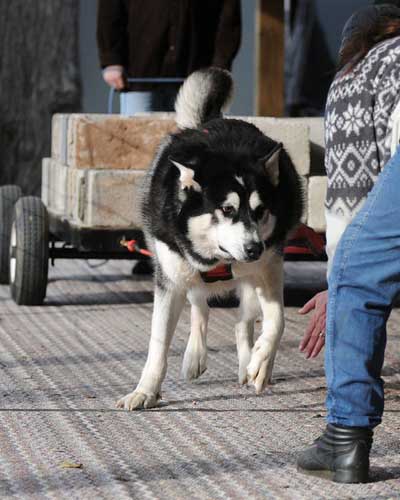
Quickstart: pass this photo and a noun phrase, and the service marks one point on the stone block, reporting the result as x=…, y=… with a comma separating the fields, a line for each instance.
x=77, y=196
x=112, y=198
x=105, y=156
x=45, y=180
x=92, y=198
x=317, y=187
x=120, y=142
x=59, y=133
x=316, y=128
x=55, y=186
x=294, y=136
x=304, y=185
x=86, y=141
x=317, y=143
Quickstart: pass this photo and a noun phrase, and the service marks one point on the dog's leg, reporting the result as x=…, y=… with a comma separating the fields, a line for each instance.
x=168, y=304
x=244, y=329
x=195, y=358
x=269, y=289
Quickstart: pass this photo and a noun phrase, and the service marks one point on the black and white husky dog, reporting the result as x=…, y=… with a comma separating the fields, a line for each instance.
x=218, y=192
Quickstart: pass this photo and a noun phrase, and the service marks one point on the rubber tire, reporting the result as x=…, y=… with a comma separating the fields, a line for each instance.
x=29, y=281
x=9, y=195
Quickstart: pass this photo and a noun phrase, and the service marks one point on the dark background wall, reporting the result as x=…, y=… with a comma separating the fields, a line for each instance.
x=39, y=75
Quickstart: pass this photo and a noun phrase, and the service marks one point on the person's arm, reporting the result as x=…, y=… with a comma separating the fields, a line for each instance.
x=314, y=337
x=227, y=41
x=314, y=340
x=112, y=41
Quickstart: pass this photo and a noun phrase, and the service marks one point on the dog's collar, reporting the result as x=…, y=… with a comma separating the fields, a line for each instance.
x=219, y=273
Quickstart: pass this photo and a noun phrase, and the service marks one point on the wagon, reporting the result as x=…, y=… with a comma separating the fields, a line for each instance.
x=88, y=207
x=32, y=234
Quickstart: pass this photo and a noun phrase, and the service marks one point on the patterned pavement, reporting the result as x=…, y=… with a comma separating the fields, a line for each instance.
x=63, y=366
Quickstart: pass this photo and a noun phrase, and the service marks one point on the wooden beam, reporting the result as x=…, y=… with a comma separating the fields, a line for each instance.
x=270, y=55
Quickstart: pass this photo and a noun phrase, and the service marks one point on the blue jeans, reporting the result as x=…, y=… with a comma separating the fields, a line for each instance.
x=363, y=284
x=148, y=101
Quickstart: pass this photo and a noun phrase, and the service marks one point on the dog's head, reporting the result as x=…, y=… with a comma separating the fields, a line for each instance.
x=227, y=204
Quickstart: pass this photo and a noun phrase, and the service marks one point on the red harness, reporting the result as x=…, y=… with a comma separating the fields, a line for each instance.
x=219, y=273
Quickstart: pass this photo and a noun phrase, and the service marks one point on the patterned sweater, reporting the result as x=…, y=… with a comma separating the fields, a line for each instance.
x=362, y=121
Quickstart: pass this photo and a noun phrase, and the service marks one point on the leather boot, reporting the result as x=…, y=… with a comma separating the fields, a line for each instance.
x=340, y=454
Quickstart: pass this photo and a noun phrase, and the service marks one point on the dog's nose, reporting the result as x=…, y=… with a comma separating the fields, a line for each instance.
x=253, y=250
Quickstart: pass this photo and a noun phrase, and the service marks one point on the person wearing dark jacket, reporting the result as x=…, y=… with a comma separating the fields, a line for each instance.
x=164, y=39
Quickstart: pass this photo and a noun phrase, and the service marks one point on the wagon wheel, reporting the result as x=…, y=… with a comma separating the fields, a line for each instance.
x=9, y=195
x=29, y=251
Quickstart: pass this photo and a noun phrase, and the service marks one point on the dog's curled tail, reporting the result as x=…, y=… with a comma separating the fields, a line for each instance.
x=203, y=96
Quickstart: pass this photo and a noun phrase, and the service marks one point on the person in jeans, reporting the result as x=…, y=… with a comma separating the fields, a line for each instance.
x=163, y=38
x=363, y=242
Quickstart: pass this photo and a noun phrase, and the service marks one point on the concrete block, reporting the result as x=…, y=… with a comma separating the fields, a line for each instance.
x=93, y=198
x=120, y=142
x=59, y=133
x=316, y=128
x=87, y=141
x=317, y=143
x=55, y=186
x=161, y=115
x=113, y=198
x=77, y=187
x=45, y=180
x=317, y=187
x=294, y=136
x=304, y=185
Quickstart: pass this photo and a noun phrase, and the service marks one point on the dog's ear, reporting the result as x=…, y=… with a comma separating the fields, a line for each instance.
x=271, y=164
x=186, y=177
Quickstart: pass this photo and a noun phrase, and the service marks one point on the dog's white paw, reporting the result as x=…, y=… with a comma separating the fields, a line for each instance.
x=194, y=363
x=259, y=370
x=242, y=375
x=137, y=399
x=244, y=360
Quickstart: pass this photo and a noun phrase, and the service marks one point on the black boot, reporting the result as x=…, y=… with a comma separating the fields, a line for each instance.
x=340, y=454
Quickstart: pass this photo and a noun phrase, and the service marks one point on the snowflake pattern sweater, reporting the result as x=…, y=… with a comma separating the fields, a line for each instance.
x=361, y=134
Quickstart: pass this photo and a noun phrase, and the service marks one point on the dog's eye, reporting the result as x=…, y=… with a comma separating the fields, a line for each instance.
x=228, y=209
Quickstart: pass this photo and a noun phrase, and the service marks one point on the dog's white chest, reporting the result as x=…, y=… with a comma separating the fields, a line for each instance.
x=177, y=270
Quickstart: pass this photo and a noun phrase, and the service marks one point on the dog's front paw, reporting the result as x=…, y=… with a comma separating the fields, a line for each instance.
x=242, y=374
x=259, y=370
x=137, y=399
x=194, y=362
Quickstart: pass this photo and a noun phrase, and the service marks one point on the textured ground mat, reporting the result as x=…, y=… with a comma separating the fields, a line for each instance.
x=64, y=365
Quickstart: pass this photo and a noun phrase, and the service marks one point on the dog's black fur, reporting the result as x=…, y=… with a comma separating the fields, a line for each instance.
x=218, y=152
x=219, y=191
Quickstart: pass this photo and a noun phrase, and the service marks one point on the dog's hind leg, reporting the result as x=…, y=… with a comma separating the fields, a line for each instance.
x=168, y=304
x=269, y=289
x=195, y=357
x=248, y=310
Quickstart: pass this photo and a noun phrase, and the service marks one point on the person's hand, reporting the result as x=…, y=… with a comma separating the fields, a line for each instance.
x=314, y=338
x=114, y=76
